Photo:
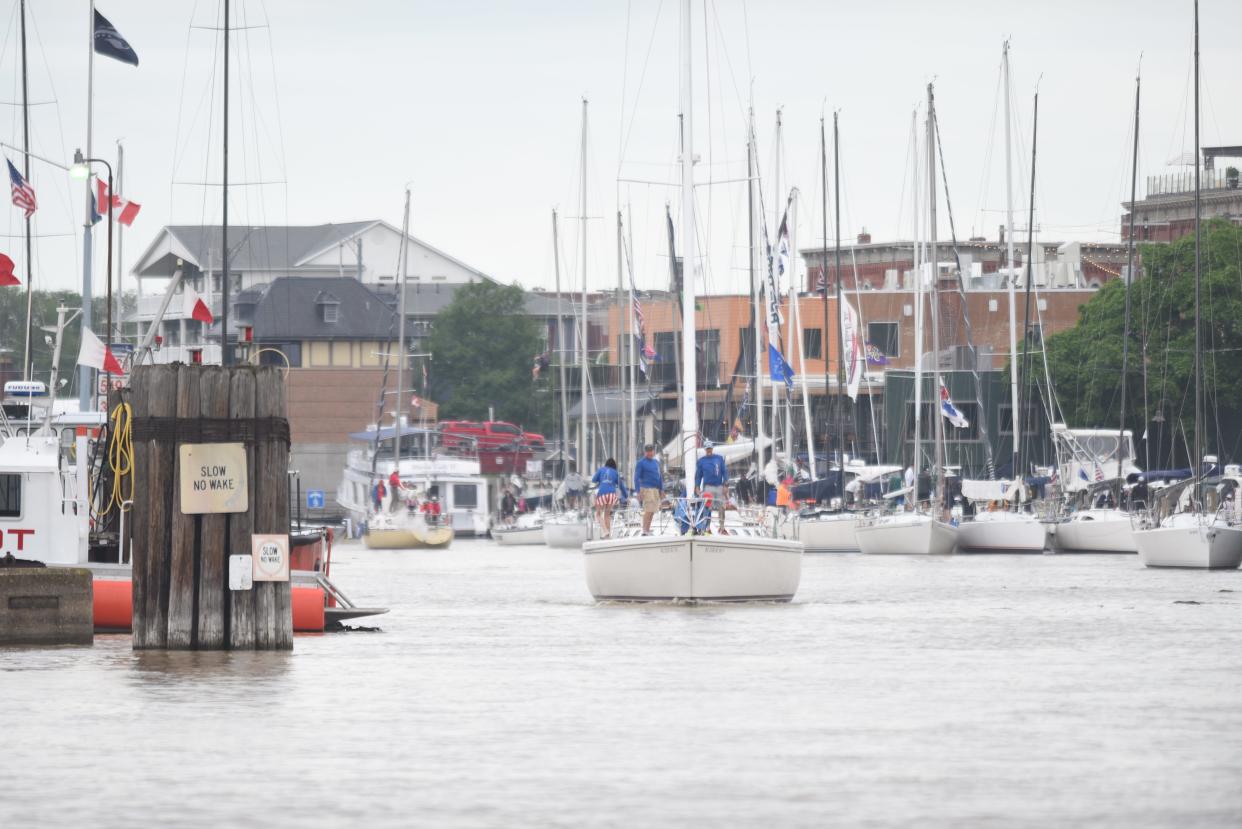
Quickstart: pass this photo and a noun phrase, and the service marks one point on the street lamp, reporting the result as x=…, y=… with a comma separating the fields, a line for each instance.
x=81, y=170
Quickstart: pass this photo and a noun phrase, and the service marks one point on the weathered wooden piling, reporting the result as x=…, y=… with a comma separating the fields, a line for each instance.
x=181, y=548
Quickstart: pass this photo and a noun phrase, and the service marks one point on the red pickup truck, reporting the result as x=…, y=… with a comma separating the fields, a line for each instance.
x=487, y=435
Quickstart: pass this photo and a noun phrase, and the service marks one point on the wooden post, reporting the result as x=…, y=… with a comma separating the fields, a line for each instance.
x=241, y=524
x=183, y=549
x=140, y=552
x=270, y=500
x=213, y=574
x=157, y=490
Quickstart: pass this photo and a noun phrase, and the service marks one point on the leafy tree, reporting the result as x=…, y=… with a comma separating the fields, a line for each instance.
x=1085, y=361
x=483, y=346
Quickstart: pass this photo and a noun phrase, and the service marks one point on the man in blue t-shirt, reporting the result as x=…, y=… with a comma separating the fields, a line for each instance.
x=648, y=485
x=711, y=477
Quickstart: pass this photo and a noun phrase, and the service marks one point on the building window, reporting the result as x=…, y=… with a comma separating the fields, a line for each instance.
x=885, y=336
x=10, y=496
x=667, y=359
x=707, y=352
x=812, y=343
x=329, y=307
x=1005, y=414
x=465, y=496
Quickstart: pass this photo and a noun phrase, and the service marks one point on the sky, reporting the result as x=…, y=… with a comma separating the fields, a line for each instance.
x=477, y=107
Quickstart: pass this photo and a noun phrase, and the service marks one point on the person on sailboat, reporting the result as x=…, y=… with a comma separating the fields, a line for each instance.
x=711, y=477
x=610, y=492
x=575, y=486
x=508, y=508
x=648, y=485
x=394, y=486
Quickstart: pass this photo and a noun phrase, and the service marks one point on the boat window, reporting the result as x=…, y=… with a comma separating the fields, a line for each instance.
x=465, y=496
x=10, y=496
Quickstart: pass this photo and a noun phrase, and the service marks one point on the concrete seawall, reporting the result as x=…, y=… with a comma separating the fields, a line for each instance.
x=46, y=606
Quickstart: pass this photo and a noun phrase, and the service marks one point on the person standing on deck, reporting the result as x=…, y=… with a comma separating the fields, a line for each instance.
x=648, y=485
x=574, y=488
x=711, y=477
x=611, y=490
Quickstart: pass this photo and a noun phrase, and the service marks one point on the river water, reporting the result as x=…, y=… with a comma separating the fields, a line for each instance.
x=958, y=691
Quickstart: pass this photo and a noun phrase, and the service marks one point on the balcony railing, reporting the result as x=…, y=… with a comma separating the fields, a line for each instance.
x=1168, y=184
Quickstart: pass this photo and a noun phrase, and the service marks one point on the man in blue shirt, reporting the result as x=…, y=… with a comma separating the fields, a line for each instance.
x=711, y=477
x=648, y=485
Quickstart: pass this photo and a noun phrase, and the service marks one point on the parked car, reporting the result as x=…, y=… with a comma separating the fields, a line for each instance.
x=487, y=435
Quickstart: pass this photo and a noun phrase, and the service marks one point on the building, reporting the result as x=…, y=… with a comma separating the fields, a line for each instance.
x=1167, y=212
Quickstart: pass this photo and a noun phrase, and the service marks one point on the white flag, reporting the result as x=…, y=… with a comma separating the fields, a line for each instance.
x=855, y=356
x=95, y=354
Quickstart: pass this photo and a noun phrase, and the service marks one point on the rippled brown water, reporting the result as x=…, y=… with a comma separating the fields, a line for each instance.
x=967, y=691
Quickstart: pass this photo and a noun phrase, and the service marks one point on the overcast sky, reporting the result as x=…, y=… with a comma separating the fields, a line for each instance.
x=477, y=105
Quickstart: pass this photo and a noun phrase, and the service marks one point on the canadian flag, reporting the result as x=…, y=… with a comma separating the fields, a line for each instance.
x=95, y=354
x=124, y=210
x=195, y=308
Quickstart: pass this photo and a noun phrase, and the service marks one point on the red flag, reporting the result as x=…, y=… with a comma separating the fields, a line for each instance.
x=95, y=354
x=7, y=277
x=415, y=402
x=123, y=210
x=195, y=308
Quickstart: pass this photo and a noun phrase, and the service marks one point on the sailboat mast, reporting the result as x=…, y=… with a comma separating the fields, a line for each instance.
x=935, y=290
x=1019, y=423
x=624, y=438
x=582, y=344
x=399, y=409
x=1129, y=278
x=776, y=206
x=689, y=404
x=756, y=291
x=226, y=353
x=791, y=328
x=917, y=465
x=801, y=343
x=823, y=195
x=26, y=172
x=1015, y=419
x=836, y=186
x=560, y=344
x=1197, y=460
x=631, y=362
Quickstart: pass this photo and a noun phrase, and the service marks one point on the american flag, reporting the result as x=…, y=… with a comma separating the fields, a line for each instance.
x=645, y=352
x=821, y=284
x=23, y=193
x=1099, y=473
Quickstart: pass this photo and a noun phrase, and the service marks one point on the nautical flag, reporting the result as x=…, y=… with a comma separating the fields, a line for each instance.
x=195, y=308
x=95, y=214
x=108, y=42
x=875, y=356
x=855, y=355
x=424, y=378
x=778, y=263
x=123, y=210
x=1082, y=473
x=737, y=420
x=95, y=354
x=416, y=402
x=7, y=277
x=821, y=284
x=23, y=193
x=949, y=410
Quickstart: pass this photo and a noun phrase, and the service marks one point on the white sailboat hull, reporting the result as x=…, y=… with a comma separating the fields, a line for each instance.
x=1190, y=541
x=518, y=536
x=1096, y=531
x=568, y=535
x=906, y=534
x=828, y=532
x=705, y=568
x=1002, y=532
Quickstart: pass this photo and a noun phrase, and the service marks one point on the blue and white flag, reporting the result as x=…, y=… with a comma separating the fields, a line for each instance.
x=778, y=263
x=949, y=410
x=108, y=42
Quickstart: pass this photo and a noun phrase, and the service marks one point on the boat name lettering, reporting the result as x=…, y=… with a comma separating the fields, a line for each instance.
x=20, y=538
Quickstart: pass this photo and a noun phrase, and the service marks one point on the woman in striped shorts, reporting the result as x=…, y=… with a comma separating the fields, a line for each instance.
x=610, y=491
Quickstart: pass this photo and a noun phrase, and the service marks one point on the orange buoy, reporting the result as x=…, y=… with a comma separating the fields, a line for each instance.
x=114, y=604
x=307, y=609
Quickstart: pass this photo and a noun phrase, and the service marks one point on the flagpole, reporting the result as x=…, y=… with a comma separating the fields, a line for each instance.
x=841, y=370
x=226, y=356
x=26, y=155
x=120, y=231
x=85, y=375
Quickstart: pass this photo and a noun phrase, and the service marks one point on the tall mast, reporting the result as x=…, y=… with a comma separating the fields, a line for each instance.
x=917, y=262
x=777, y=202
x=689, y=404
x=756, y=291
x=1129, y=278
x=399, y=409
x=935, y=295
x=631, y=362
x=1197, y=460
x=791, y=326
x=85, y=384
x=1015, y=419
x=26, y=172
x=226, y=353
x=560, y=343
x=623, y=439
x=1020, y=473
x=120, y=230
x=797, y=318
x=582, y=345
x=841, y=404
x=823, y=193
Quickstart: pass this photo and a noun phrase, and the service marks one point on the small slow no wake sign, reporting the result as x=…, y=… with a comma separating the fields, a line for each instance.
x=213, y=478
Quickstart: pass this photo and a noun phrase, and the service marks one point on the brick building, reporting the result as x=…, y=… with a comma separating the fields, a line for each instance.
x=1167, y=212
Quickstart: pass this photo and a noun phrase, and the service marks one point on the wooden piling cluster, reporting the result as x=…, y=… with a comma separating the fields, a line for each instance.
x=181, y=594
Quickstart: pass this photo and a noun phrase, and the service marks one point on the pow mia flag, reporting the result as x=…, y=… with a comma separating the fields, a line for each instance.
x=108, y=41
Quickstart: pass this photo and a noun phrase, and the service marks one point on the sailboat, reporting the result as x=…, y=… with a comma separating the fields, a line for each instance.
x=1007, y=530
x=745, y=565
x=1108, y=529
x=1186, y=529
x=919, y=532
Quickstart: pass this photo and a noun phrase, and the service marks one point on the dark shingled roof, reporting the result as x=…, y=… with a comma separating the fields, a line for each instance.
x=290, y=310
x=264, y=248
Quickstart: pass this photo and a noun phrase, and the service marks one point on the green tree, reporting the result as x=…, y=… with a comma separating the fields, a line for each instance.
x=483, y=346
x=1085, y=361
